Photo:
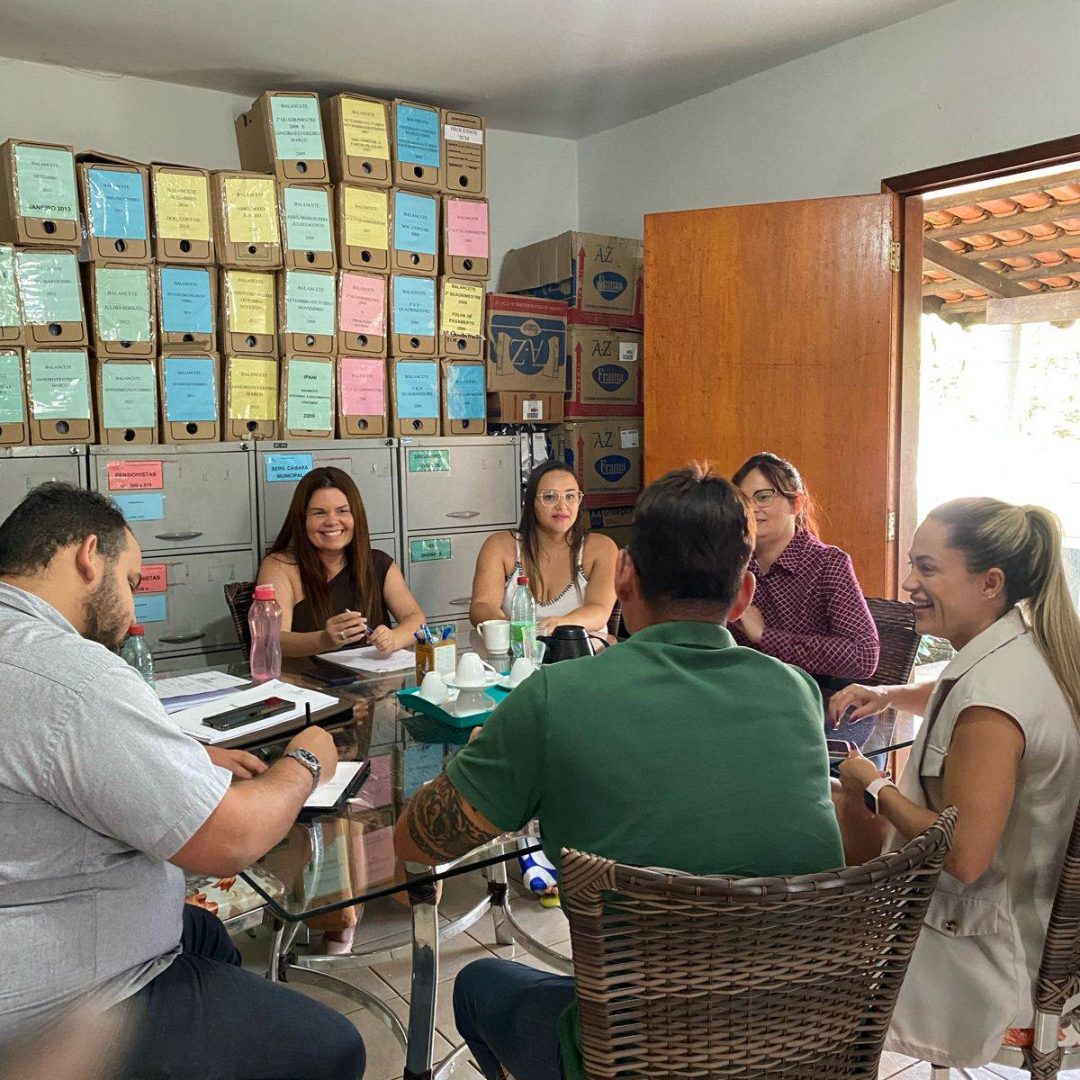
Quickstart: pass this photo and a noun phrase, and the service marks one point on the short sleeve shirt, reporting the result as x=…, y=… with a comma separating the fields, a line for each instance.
x=98, y=789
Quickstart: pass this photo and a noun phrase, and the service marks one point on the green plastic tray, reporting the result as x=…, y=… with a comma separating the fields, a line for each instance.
x=414, y=703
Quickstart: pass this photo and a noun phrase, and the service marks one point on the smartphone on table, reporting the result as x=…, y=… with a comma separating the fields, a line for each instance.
x=248, y=714
x=329, y=673
x=838, y=749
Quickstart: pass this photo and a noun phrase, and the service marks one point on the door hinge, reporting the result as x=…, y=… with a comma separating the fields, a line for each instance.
x=890, y=526
x=894, y=256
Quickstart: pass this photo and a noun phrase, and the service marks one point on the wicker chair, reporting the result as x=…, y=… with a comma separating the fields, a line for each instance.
x=746, y=979
x=239, y=595
x=895, y=621
x=615, y=619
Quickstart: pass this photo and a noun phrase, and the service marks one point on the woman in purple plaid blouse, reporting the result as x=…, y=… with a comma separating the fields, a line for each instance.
x=808, y=609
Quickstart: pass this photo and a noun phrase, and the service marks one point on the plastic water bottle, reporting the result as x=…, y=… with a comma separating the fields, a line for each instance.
x=523, y=619
x=137, y=654
x=264, y=621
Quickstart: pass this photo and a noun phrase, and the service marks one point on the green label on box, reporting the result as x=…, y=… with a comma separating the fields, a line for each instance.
x=431, y=550
x=297, y=127
x=9, y=297
x=46, y=181
x=310, y=303
x=421, y=461
x=123, y=307
x=310, y=393
x=128, y=395
x=307, y=219
x=11, y=390
x=49, y=286
x=59, y=384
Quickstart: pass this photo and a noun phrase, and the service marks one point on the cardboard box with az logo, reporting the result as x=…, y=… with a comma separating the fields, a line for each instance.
x=599, y=278
x=603, y=371
x=526, y=344
x=604, y=455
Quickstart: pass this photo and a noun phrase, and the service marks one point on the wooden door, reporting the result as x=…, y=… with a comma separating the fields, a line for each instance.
x=775, y=327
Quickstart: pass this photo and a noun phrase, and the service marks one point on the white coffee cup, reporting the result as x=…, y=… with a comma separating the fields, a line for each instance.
x=520, y=670
x=471, y=672
x=433, y=689
x=496, y=635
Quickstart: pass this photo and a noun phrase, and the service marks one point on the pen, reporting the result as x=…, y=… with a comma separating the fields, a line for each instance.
x=446, y=632
x=307, y=714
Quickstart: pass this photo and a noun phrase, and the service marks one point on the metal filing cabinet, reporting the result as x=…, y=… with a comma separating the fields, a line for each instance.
x=192, y=509
x=454, y=494
x=22, y=468
x=372, y=464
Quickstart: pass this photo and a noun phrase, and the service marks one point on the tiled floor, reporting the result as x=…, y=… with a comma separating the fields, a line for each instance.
x=390, y=982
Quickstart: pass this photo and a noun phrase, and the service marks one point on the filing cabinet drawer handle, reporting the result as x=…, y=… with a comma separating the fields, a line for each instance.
x=461, y=601
x=177, y=536
x=463, y=513
x=181, y=639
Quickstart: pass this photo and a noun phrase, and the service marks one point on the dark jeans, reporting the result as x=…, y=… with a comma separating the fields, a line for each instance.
x=508, y=1014
x=205, y=1017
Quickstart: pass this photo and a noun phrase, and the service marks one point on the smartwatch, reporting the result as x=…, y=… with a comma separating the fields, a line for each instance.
x=309, y=761
x=872, y=794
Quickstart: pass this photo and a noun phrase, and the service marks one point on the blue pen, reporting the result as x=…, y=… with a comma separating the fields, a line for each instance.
x=446, y=632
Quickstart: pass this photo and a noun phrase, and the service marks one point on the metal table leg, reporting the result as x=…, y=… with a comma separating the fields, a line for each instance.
x=423, y=900
x=497, y=892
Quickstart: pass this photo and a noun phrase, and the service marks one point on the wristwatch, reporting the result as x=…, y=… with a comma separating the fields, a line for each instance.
x=309, y=761
x=872, y=794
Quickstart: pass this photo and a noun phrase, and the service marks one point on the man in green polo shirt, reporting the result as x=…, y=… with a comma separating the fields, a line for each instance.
x=676, y=748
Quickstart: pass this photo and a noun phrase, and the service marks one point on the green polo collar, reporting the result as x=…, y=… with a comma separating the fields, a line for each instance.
x=684, y=632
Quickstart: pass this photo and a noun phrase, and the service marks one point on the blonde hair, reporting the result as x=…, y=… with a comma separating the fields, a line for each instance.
x=1024, y=542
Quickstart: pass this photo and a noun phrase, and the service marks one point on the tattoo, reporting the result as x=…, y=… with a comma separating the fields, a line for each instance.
x=439, y=824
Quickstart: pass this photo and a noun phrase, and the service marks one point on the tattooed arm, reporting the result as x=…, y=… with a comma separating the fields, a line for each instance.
x=438, y=825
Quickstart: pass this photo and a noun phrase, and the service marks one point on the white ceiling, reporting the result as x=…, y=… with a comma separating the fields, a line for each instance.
x=557, y=67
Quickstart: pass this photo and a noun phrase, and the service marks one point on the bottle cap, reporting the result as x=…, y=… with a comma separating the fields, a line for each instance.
x=136, y=630
x=523, y=580
x=264, y=592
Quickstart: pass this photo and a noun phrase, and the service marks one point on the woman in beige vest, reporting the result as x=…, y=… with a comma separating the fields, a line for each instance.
x=999, y=742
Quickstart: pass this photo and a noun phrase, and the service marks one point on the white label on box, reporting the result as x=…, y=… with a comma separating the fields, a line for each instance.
x=630, y=439
x=463, y=134
x=627, y=351
x=532, y=410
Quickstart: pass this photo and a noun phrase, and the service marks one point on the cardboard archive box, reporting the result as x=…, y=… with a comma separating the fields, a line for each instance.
x=464, y=153
x=413, y=316
x=357, y=132
x=251, y=397
x=461, y=318
x=605, y=457
x=599, y=278
x=307, y=312
x=39, y=201
x=59, y=396
x=186, y=302
x=11, y=328
x=363, y=228
x=14, y=419
x=603, y=371
x=466, y=245
x=417, y=145
x=362, y=313
x=525, y=407
x=282, y=134
x=613, y=521
x=183, y=229
x=247, y=234
x=363, y=405
x=126, y=391
x=526, y=344
x=116, y=207
x=190, y=396
x=307, y=397
x=414, y=397
x=50, y=295
x=307, y=225
x=463, y=397
x=414, y=233
x=249, y=312
x=122, y=308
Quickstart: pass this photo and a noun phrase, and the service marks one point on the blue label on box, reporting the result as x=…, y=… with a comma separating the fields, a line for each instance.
x=146, y=506
x=414, y=307
x=466, y=397
x=417, y=389
x=288, y=468
x=117, y=204
x=529, y=345
x=151, y=607
x=186, y=304
x=423, y=762
x=414, y=223
x=190, y=389
x=417, y=136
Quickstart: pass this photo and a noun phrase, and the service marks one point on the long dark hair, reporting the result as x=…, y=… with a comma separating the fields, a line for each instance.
x=529, y=528
x=788, y=482
x=293, y=540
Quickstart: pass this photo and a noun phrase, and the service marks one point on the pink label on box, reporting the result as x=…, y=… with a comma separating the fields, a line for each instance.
x=155, y=578
x=134, y=475
x=363, y=386
x=467, y=228
x=363, y=305
x=375, y=792
x=379, y=855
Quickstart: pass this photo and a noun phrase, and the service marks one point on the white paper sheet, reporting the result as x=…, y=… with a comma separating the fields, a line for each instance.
x=325, y=796
x=191, y=719
x=367, y=658
x=183, y=691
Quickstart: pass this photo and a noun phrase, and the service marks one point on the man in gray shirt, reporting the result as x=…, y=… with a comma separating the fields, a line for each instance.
x=104, y=803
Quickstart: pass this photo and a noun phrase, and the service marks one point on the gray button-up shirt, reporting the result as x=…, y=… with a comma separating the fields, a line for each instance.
x=98, y=788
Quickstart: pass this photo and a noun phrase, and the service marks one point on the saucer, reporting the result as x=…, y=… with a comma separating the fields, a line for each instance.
x=491, y=678
x=504, y=682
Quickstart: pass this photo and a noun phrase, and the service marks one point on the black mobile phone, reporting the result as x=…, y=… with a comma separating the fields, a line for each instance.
x=248, y=714
x=331, y=674
x=839, y=748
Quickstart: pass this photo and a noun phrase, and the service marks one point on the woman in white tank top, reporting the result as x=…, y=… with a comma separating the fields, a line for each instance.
x=571, y=574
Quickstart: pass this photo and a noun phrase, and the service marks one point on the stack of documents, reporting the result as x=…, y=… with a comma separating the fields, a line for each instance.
x=367, y=658
x=180, y=691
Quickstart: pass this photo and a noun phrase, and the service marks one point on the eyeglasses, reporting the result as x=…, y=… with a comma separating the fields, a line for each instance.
x=553, y=498
x=764, y=496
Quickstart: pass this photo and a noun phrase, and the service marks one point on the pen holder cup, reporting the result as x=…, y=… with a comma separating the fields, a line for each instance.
x=440, y=657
